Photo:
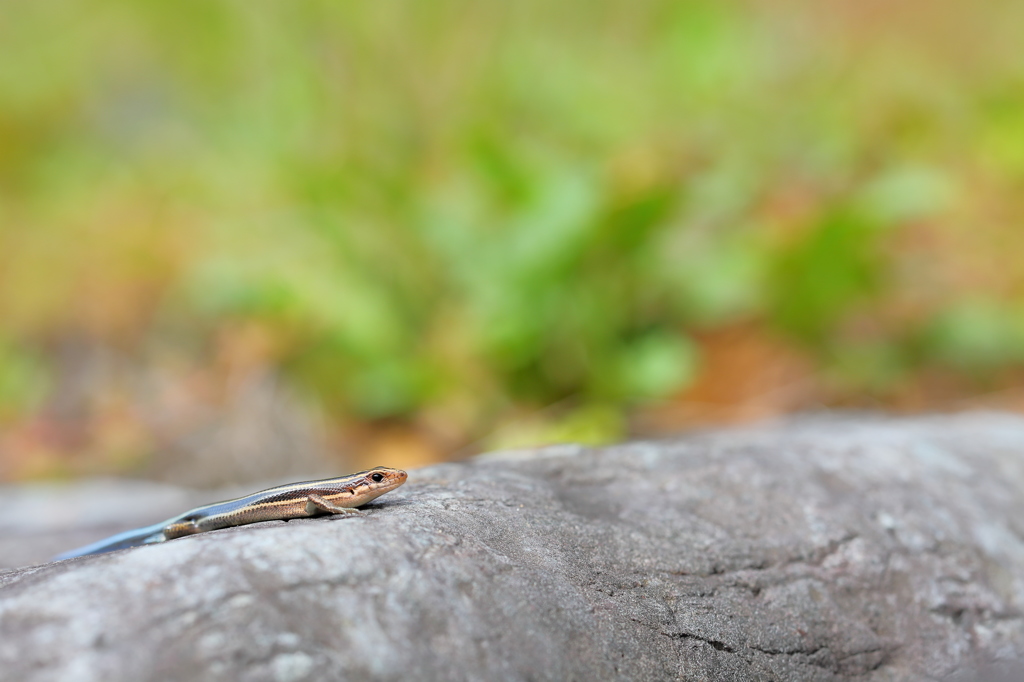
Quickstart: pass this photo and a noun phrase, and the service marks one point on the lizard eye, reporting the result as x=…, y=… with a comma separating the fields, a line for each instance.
x=377, y=478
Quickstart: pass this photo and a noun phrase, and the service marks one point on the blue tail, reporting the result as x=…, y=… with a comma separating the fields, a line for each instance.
x=130, y=538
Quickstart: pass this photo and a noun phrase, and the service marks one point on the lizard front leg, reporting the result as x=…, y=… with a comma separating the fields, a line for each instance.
x=315, y=503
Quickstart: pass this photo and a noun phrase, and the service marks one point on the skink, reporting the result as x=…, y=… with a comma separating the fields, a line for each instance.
x=295, y=500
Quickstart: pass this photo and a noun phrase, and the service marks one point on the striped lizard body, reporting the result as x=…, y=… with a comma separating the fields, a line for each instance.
x=292, y=501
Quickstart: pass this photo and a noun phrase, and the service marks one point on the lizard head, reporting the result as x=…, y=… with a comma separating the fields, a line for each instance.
x=377, y=481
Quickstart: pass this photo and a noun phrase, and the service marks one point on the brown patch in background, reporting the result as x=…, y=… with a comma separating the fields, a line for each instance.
x=746, y=374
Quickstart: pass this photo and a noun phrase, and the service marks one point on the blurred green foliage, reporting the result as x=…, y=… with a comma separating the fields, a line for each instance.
x=479, y=206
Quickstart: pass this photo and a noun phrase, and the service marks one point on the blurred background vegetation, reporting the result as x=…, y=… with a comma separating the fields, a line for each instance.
x=244, y=240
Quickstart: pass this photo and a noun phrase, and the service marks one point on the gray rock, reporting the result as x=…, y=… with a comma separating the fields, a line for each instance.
x=827, y=549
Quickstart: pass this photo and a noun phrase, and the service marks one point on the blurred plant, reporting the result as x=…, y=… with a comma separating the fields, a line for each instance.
x=23, y=381
x=453, y=214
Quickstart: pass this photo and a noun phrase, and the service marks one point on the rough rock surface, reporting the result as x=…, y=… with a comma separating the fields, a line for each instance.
x=821, y=549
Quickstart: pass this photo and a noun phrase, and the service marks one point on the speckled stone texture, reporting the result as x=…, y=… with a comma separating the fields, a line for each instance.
x=817, y=549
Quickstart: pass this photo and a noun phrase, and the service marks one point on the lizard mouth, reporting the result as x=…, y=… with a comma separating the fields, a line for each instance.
x=397, y=478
